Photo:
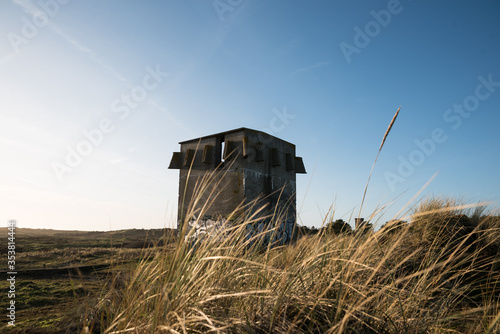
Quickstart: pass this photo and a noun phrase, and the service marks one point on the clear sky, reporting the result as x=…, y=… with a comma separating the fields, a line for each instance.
x=96, y=95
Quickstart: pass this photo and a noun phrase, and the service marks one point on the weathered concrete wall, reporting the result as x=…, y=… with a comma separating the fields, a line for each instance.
x=250, y=165
x=270, y=177
x=263, y=232
x=224, y=191
x=220, y=198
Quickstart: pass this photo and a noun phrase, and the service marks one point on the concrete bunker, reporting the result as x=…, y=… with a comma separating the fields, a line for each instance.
x=256, y=166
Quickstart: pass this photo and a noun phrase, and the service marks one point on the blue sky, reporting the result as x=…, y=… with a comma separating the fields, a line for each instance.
x=116, y=85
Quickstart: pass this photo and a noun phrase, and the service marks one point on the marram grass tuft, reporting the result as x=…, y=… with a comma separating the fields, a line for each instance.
x=435, y=271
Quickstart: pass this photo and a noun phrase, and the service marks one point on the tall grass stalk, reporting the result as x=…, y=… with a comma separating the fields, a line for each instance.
x=376, y=158
x=438, y=273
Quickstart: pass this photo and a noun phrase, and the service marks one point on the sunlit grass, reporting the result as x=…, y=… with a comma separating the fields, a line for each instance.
x=437, y=273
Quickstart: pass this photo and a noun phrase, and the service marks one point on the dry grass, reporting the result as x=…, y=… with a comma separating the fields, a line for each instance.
x=391, y=124
x=437, y=274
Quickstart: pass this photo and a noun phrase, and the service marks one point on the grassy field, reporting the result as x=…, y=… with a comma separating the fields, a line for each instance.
x=438, y=272
x=62, y=274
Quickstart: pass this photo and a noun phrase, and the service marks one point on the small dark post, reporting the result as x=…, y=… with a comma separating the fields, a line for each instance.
x=359, y=222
